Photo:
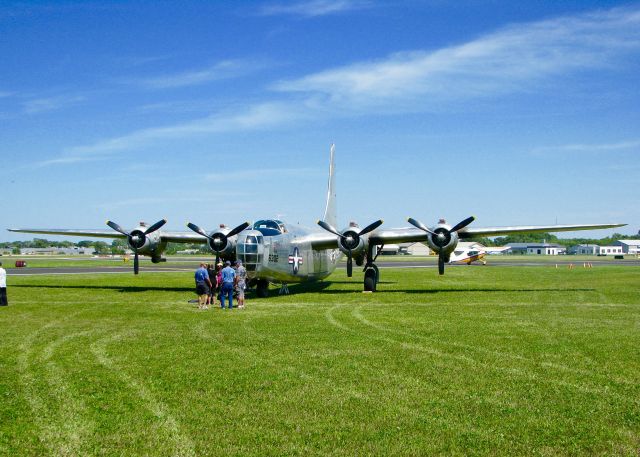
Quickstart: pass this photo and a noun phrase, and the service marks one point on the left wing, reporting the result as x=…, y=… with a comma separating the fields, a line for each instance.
x=321, y=241
x=469, y=232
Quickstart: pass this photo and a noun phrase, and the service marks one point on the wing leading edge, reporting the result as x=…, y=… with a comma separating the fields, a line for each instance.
x=174, y=237
x=409, y=234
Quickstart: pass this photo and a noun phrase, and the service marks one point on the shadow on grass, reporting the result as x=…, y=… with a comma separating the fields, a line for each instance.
x=322, y=287
x=314, y=287
x=125, y=289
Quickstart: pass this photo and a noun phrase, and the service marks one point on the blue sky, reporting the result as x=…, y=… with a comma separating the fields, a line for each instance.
x=515, y=112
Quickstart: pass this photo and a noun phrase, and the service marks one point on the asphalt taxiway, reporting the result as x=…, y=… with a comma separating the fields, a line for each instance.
x=191, y=264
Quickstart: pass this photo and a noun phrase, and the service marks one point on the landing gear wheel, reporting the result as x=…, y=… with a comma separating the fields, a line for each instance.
x=262, y=288
x=370, y=279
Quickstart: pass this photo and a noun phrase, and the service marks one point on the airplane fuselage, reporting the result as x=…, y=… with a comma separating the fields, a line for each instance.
x=286, y=257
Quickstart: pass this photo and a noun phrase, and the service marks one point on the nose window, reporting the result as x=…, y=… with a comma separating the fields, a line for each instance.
x=247, y=251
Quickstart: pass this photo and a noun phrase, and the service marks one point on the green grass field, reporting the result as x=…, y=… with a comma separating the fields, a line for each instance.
x=497, y=361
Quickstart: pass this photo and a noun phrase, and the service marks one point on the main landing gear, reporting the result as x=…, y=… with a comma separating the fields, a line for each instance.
x=371, y=271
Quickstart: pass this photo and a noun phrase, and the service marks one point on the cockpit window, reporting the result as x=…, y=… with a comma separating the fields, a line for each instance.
x=270, y=227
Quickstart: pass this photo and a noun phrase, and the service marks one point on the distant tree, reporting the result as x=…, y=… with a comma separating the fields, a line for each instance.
x=85, y=243
x=119, y=246
x=16, y=251
x=40, y=243
x=101, y=247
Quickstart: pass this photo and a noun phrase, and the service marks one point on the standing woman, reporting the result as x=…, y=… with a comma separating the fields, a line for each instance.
x=219, y=279
x=241, y=285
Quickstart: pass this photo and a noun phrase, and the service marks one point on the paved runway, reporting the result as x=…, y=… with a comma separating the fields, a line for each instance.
x=190, y=265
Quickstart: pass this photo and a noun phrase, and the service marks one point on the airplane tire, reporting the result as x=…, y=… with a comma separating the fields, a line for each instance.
x=262, y=288
x=370, y=280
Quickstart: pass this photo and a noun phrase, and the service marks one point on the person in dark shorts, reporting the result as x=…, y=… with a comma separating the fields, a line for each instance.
x=203, y=286
x=211, y=298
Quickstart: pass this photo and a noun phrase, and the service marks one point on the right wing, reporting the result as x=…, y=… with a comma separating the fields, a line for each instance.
x=174, y=237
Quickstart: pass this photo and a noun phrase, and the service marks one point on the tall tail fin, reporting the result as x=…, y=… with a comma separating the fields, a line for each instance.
x=330, y=212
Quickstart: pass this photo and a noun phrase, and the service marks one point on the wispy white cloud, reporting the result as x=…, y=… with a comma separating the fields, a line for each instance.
x=590, y=148
x=254, y=118
x=221, y=70
x=509, y=60
x=41, y=105
x=314, y=8
x=513, y=59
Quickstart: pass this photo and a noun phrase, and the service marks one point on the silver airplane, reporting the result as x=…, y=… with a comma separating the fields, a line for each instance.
x=274, y=252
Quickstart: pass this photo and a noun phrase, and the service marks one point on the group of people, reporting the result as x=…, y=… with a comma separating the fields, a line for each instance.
x=221, y=281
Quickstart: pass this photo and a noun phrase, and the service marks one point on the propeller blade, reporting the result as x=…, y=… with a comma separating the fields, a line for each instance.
x=349, y=264
x=155, y=226
x=198, y=230
x=420, y=225
x=238, y=229
x=136, y=267
x=441, y=264
x=329, y=228
x=217, y=258
x=371, y=227
x=462, y=224
x=117, y=228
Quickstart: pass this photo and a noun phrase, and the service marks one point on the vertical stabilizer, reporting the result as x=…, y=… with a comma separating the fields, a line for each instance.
x=330, y=214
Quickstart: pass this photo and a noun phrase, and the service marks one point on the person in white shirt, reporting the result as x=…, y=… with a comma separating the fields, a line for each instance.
x=3, y=286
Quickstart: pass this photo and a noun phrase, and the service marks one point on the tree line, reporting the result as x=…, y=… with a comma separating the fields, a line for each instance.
x=117, y=246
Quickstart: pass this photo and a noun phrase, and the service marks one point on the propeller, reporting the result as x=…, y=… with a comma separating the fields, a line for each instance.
x=441, y=236
x=218, y=240
x=350, y=239
x=136, y=238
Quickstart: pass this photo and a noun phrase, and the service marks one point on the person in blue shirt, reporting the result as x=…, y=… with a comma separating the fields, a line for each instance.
x=203, y=285
x=228, y=280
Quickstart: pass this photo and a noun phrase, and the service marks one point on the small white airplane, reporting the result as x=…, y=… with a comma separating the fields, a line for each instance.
x=274, y=252
x=470, y=254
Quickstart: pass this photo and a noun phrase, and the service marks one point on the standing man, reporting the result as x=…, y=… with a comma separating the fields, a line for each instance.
x=203, y=285
x=3, y=286
x=228, y=280
x=241, y=278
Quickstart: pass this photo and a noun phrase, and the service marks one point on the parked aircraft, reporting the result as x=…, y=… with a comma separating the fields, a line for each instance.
x=274, y=252
x=472, y=254
x=468, y=256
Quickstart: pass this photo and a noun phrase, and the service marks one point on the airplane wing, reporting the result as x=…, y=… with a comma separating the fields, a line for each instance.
x=410, y=234
x=469, y=232
x=174, y=237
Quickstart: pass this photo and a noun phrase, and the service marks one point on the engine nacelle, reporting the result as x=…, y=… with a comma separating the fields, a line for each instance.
x=150, y=244
x=443, y=241
x=222, y=244
x=353, y=241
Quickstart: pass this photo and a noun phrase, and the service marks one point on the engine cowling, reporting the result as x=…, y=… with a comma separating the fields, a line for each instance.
x=352, y=241
x=220, y=243
x=443, y=240
x=146, y=244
